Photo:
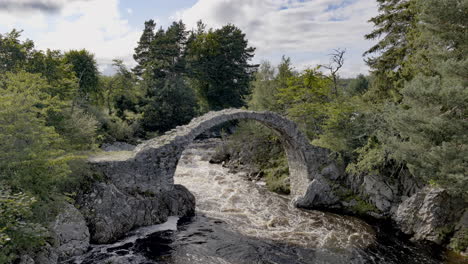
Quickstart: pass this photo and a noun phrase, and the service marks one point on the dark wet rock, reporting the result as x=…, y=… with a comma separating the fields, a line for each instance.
x=319, y=195
x=111, y=212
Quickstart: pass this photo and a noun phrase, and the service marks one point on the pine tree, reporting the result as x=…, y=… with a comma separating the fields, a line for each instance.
x=395, y=25
x=142, y=51
x=428, y=129
x=219, y=67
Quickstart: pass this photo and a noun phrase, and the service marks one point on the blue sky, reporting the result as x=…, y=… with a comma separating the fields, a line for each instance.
x=305, y=30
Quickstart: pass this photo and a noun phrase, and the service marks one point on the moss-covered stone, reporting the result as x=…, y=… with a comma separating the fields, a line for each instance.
x=459, y=241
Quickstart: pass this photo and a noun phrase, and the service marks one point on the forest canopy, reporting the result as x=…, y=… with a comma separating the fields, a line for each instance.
x=407, y=116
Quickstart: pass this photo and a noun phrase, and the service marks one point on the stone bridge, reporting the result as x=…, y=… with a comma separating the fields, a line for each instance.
x=151, y=166
x=137, y=181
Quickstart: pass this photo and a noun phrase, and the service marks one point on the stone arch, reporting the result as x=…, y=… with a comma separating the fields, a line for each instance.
x=151, y=166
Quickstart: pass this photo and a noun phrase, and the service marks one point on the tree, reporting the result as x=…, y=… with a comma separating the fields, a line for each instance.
x=33, y=156
x=85, y=67
x=336, y=62
x=430, y=127
x=174, y=104
x=264, y=89
x=357, y=86
x=163, y=77
x=14, y=54
x=285, y=72
x=167, y=54
x=395, y=26
x=119, y=90
x=59, y=74
x=142, y=51
x=305, y=99
x=219, y=67
x=427, y=131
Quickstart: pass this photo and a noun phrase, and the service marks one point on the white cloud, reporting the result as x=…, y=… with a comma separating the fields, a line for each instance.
x=305, y=28
x=79, y=24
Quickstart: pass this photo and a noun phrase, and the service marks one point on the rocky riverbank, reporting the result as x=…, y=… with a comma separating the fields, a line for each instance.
x=425, y=213
x=107, y=212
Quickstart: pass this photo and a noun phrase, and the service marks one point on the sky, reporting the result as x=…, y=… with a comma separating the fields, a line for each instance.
x=307, y=31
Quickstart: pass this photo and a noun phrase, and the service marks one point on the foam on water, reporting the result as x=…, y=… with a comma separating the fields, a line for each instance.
x=252, y=211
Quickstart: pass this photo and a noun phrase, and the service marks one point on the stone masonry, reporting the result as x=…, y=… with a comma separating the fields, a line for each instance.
x=150, y=167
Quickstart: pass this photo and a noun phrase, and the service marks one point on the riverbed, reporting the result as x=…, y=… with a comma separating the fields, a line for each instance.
x=239, y=221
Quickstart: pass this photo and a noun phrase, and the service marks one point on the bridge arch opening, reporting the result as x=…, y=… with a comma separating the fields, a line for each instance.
x=164, y=152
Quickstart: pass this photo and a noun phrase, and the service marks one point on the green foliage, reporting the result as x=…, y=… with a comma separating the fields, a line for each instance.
x=142, y=51
x=17, y=232
x=218, y=63
x=305, y=98
x=264, y=151
x=419, y=93
x=345, y=126
x=161, y=56
x=173, y=105
x=431, y=125
x=14, y=54
x=264, y=89
x=357, y=86
x=33, y=156
x=58, y=73
x=77, y=127
x=120, y=92
x=459, y=242
x=112, y=128
x=395, y=25
x=85, y=67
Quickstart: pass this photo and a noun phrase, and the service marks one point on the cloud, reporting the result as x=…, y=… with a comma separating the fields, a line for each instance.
x=79, y=24
x=306, y=30
x=33, y=5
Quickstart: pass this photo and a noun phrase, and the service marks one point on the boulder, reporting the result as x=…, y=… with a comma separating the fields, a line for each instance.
x=430, y=214
x=70, y=238
x=70, y=232
x=111, y=212
x=319, y=194
x=379, y=192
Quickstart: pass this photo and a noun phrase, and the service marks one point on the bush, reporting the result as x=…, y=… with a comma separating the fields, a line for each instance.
x=263, y=150
x=17, y=231
x=112, y=128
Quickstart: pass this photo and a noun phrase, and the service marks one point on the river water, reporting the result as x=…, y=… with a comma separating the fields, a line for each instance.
x=239, y=221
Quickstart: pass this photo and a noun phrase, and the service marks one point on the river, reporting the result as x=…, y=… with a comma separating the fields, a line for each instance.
x=239, y=221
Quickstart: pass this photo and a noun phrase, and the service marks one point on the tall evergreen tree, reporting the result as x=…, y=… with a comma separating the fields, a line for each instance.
x=142, y=51
x=394, y=27
x=170, y=101
x=428, y=129
x=219, y=67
